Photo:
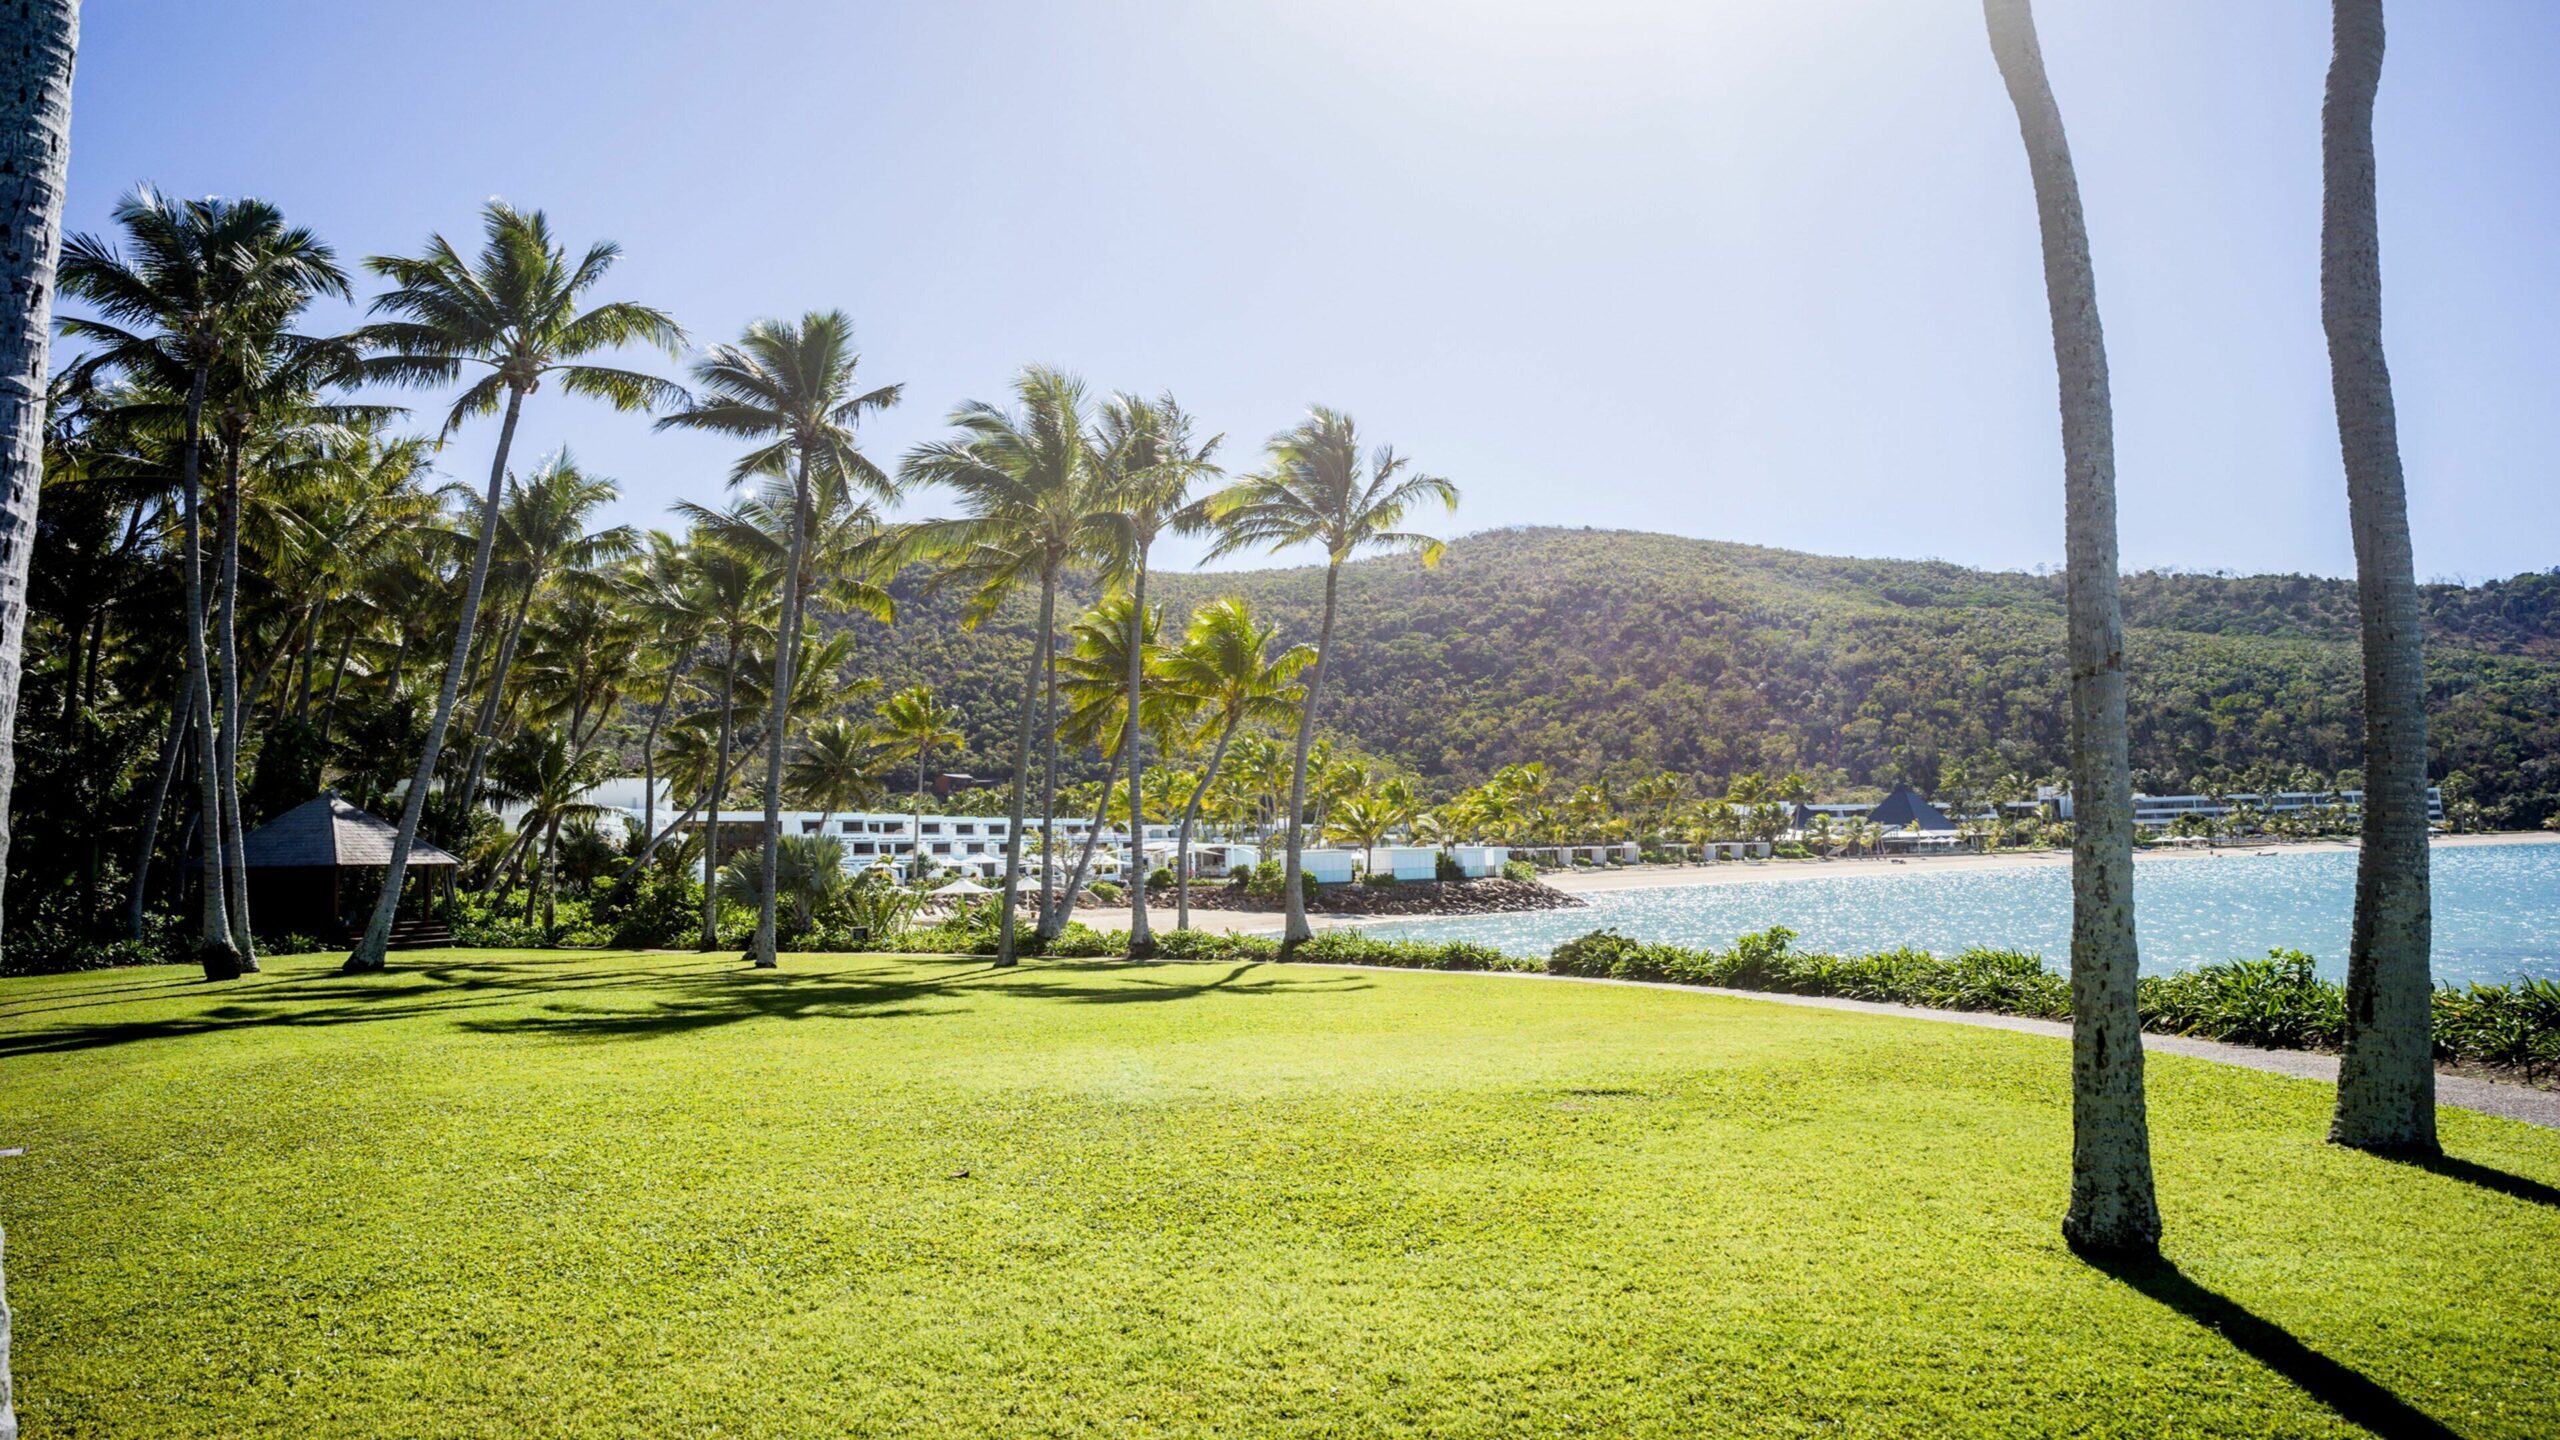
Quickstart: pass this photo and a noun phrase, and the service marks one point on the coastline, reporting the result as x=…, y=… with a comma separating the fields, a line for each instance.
x=1750, y=872
x=1758, y=872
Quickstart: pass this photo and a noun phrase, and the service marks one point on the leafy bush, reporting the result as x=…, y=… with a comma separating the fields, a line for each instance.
x=664, y=911
x=1520, y=870
x=1379, y=878
x=2276, y=1001
x=1108, y=892
x=1445, y=867
x=1160, y=878
x=47, y=936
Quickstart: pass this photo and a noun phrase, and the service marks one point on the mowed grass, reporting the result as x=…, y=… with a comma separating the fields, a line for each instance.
x=649, y=1194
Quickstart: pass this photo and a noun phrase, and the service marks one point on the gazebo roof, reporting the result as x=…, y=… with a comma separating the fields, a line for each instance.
x=329, y=832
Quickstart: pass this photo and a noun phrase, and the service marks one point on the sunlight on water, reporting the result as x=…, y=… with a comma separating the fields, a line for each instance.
x=2497, y=911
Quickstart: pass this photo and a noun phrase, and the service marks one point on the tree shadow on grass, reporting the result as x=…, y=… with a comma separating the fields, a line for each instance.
x=2356, y=1397
x=1140, y=983
x=573, y=998
x=2487, y=1177
x=326, y=998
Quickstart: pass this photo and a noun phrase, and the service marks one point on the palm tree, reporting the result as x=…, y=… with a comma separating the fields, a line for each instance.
x=1318, y=490
x=2113, y=1207
x=1230, y=667
x=1025, y=478
x=670, y=612
x=912, y=725
x=792, y=390
x=543, y=771
x=736, y=596
x=542, y=534
x=833, y=769
x=208, y=281
x=35, y=143
x=512, y=310
x=1151, y=465
x=2386, y=1068
x=1094, y=676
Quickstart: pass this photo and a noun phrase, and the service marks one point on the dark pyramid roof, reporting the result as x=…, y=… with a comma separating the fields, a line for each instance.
x=1902, y=808
x=329, y=831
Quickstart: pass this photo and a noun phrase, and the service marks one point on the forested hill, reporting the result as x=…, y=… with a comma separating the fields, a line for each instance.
x=1613, y=651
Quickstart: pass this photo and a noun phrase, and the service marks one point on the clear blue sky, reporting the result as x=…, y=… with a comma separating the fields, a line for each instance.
x=1756, y=271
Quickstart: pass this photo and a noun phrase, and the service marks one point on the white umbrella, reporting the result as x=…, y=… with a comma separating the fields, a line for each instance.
x=963, y=887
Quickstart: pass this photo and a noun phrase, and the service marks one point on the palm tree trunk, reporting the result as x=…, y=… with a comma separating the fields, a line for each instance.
x=1084, y=854
x=35, y=146
x=1022, y=773
x=2113, y=1208
x=1049, y=786
x=2386, y=1071
x=915, y=823
x=1191, y=813
x=181, y=719
x=786, y=652
x=484, y=729
x=1141, y=943
x=719, y=783
x=649, y=747
x=235, y=870
x=337, y=679
x=220, y=957
x=1296, y=931
x=370, y=952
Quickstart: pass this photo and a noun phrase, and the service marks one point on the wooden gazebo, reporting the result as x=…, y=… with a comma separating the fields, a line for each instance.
x=298, y=867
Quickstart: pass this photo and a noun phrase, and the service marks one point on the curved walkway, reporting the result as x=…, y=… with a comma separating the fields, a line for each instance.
x=2507, y=1099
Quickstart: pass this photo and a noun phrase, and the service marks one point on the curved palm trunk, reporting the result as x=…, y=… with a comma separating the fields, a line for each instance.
x=786, y=653
x=1048, y=926
x=2386, y=1072
x=1005, y=948
x=649, y=748
x=181, y=719
x=2113, y=1208
x=214, y=947
x=1190, y=814
x=337, y=681
x=1142, y=943
x=719, y=783
x=1296, y=931
x=1084, y=853
x=370, y=952
x=484, y=729
x=235, y=867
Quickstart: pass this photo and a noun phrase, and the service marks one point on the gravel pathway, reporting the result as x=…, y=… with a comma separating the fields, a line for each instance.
x=2490, y=1097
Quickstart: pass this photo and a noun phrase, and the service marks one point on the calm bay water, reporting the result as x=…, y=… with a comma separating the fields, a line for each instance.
x=2497, y=911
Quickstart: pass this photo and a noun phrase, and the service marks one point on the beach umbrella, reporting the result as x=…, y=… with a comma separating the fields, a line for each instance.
x=963, y=887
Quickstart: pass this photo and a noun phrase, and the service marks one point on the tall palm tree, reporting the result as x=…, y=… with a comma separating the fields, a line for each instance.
x=736, y=596
x=833, y=769
x=673, y=619
x=1230, y=670
x=513, y=310
x=1025, y=479
x=35, y=144
x=912, y=724
x=1151, y=464
x=792, y=390
x=1318, y=490
x=2113, y=1208
x=2386, y=1069
x=1094, y=678
x=208, y=281
x=542, y=534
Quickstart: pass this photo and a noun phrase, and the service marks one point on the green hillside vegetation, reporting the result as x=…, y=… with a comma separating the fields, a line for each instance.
x=1627, y=653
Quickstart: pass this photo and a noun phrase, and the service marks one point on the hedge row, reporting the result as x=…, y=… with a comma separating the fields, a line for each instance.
x=2277, y=1002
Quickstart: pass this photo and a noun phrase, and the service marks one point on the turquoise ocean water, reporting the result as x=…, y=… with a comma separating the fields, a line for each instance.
x=2497, y=911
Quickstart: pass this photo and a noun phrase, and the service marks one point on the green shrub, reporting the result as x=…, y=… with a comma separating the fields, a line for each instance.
x=2276, y=1001
x=664, y=910
x=1445, y=867
x=1160, y=878
x=1520, y=870
x=1378, y=877
x=1108, y=892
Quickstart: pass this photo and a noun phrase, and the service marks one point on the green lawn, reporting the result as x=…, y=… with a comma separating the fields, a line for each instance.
x=616, y=1195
